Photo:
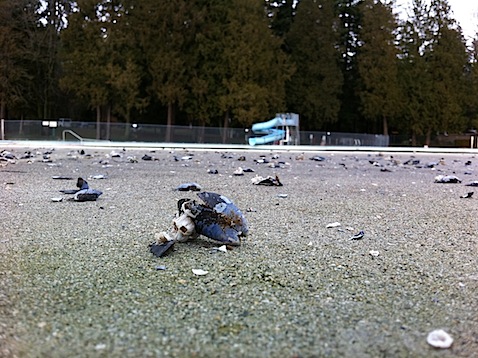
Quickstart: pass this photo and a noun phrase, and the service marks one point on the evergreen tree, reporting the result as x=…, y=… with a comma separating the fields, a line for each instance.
x=415, y=78
x=471, y=99
x=15, y=66
x=350, y=20
x=447, y=59
x=45, y=43
x=84, y=56
x=256, y=68
x=281, y=15
x=240, y=70
x=166, y=39
x=377, y=64
x=124, y=69
x=315, y=87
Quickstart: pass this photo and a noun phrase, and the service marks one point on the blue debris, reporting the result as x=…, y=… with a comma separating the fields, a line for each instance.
x=216, y=218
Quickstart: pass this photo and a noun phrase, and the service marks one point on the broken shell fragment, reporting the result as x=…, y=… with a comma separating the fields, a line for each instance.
x=447, y=179
x=184, y=226
x=358, y=236
x=216, y=218
x=199, y=272
x=333, y=225
x=189, y=187
x=57, y=200
x=222, y=248
x=219, y=219
x=160, y=250
x=439, y=339
x=467, y=195
x=374, y=253
x=239, y=171
x=268, y=181
x=163, y=237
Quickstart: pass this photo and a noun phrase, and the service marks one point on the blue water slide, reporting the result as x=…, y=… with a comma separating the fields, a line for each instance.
x=269, y=131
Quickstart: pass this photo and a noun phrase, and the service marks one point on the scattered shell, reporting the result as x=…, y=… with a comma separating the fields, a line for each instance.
x=99, y=176
x=447, y=179
x=239, y=171
x=219, y=219
x=212, y=171
x=185, y=227
x=268, y=181
x=100, y=346
x=57, y=200
x=358, y=236
x=163, y=249
x=282, y=196
x=199, y=272
x=162, y=237
x=69, y=191
x=222, y=248
x=189, y=187
x=374, y=253
x=332, y=225
x=318, y=158
x=439, y=339
x=160, y=268
x=61, y=177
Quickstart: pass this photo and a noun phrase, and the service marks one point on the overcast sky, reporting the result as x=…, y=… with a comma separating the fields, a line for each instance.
x=464, y=11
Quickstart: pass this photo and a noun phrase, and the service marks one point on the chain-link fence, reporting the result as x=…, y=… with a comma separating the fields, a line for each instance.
x=64, y=129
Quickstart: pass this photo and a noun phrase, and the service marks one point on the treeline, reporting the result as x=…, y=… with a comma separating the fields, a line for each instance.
x=343, y=65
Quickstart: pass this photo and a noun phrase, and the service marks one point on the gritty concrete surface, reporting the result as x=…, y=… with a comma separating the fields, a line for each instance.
x=77, y=279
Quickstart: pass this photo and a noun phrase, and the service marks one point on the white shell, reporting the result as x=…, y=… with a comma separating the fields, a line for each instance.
x=439, y=339
x=332, y=225
x=374, y=253
x=239, y=171
x=222, y=248
x=56, y=200
x=184, y=224
x=199, y=272
x=162, y=237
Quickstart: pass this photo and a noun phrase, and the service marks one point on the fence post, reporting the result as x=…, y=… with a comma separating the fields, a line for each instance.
x=2, y=128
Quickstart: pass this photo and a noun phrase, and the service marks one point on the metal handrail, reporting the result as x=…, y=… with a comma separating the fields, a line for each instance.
x=69, y=131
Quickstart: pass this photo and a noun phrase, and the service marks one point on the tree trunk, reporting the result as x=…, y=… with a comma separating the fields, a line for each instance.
x=98, y=122
x=2, y=109
x=170, y=121
x=414, y=139
x=108, y=122
x=385, y=126
x=428, y=137
x=127, y=127
x=225, y=127
x=201, y=130
x=20, y=129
